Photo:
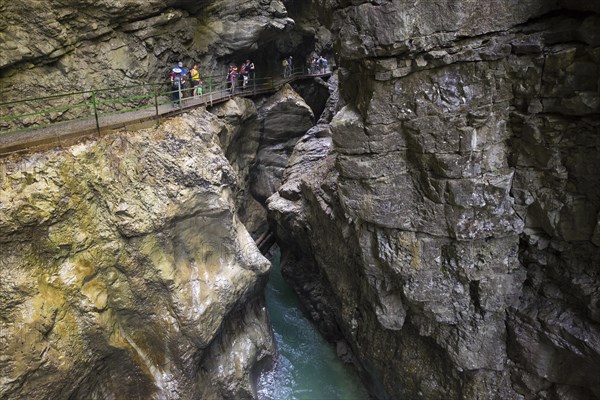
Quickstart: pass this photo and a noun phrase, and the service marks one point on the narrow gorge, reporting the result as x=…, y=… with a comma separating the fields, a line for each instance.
x=434, y=202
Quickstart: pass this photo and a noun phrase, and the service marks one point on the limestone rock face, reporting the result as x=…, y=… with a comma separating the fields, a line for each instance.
x=55, y=47
x=449, y=233
x=125, y=271
x=283, y=119
x=258, y=143
x=315, y=93
x=240, y=141
x=441, y=220
x=291, y=219
x=388, y=28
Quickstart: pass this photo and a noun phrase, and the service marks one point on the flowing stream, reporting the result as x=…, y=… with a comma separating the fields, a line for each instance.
x=307, y=367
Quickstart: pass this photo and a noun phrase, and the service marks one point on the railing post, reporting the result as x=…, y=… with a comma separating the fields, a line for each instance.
x=210, y=90
x=156, y=105
x=95, y=111
x=180, y=95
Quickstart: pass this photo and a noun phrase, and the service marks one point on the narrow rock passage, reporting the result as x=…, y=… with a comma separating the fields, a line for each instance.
x=307, y=367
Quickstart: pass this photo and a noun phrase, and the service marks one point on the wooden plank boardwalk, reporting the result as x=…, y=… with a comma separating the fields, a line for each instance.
x=68, y=132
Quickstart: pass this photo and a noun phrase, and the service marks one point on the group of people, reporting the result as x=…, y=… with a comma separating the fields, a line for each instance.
x=180, y=76
x=233, y=75
x=318, y=65
x=179, y=82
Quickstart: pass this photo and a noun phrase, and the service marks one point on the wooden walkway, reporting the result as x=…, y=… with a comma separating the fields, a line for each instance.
x=68, y=132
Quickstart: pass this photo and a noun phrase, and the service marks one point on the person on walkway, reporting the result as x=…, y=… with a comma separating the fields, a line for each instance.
x=181, y=67
x=284, y=64
x=243, y=75
x=246, y=69
x=314, y=65
x=195, y=79
x=199, y=88
x=250, y=69
x=290, y=65
x=231, y=77
x=323, y=64
x=177, y=84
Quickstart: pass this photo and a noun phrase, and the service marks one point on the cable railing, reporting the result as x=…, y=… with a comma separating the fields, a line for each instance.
x=101, y=108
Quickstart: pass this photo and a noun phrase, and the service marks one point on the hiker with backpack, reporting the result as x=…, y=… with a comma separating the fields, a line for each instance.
x=245, y=71
x=314, y=65
x=177, y=83
x=323, y=64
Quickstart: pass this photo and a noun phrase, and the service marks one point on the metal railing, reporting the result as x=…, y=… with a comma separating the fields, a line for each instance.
x=151, y=100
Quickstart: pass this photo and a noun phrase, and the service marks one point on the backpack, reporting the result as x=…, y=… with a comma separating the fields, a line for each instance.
x=243, y=69
x=177, y=80
x=284, y=62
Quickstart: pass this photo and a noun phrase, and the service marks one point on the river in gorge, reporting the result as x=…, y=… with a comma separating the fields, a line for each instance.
x=307, y=367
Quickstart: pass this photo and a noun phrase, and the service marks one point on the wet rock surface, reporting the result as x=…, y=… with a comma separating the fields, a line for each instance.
x=126, y=272
x=240, y=140
x=441, y=221
x=283, y=119
x=258, y=140
x=449, y=232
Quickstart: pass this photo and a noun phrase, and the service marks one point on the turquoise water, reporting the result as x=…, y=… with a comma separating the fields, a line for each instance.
x=307, y=367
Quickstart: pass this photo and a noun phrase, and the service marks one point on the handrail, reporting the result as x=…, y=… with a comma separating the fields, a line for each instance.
x=153, y=100
x=165, y=82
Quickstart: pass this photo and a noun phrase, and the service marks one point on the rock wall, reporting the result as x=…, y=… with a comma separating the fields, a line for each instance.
x=125, y=271
x=441, y=220
x=240, y=141
x=258, y=140
x=284, y=118
x=63, y=46
x=448, y=229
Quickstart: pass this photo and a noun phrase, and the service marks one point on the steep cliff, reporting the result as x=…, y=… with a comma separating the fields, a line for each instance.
x=128, y=272
x=258, y=144
x=441, y=220
x=448, y=228
x=125, y=271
